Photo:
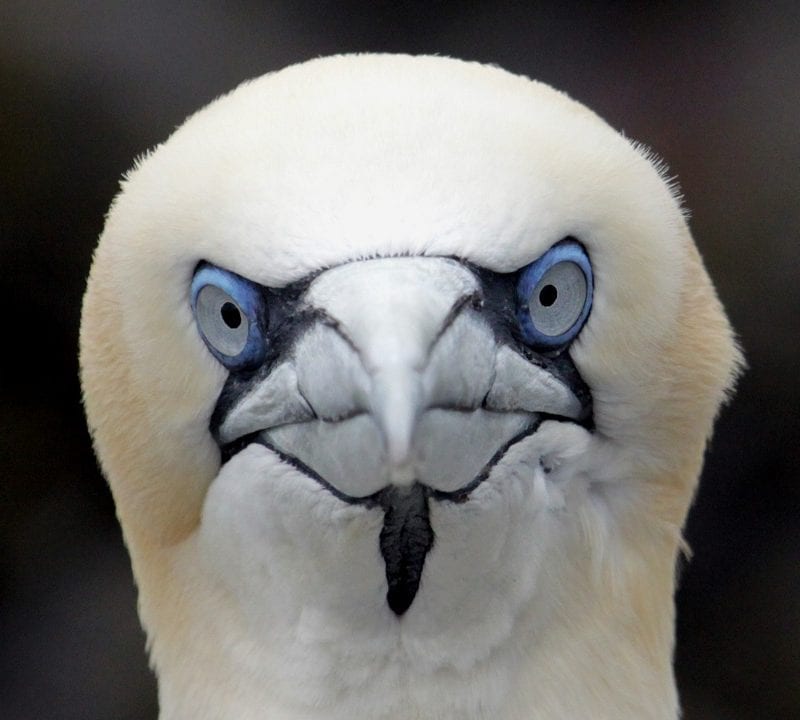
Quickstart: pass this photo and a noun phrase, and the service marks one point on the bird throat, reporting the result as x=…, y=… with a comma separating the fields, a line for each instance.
x=405, y=540
x=407, y=535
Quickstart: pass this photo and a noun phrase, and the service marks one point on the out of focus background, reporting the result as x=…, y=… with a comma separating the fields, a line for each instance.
x=714, y=88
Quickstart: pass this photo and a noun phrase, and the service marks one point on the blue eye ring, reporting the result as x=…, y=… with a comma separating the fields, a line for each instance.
x=230, y=315
x=567, y=264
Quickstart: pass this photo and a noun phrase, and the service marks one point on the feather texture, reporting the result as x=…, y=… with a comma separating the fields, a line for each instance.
x=548, y=593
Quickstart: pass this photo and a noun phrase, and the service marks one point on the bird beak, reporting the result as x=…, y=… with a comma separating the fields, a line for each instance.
x=400, y=385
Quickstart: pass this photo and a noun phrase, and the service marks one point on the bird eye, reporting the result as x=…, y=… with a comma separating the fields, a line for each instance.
x=554, y=295
x=230, y=314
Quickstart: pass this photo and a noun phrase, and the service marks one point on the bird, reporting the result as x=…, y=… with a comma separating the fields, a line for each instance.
x=401, y=370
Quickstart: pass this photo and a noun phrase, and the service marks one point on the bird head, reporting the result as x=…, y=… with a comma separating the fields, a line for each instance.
x=401, y=371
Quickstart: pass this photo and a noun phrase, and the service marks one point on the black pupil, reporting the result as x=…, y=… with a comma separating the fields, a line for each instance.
x=548, y=295
x=231, y=315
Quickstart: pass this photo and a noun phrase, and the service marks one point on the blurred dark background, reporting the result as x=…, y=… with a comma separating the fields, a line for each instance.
x=86, y=86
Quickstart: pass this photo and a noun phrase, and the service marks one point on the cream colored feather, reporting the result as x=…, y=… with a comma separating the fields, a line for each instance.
x=553, y=596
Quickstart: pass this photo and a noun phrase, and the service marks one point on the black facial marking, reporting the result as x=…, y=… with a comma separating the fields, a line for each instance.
x=407, y=536
x=462, y=494
x=406, y=539
x=473, y=299
x=499, y=307
x=287, y=318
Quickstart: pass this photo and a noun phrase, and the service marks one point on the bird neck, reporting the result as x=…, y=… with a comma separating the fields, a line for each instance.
x=595, y=643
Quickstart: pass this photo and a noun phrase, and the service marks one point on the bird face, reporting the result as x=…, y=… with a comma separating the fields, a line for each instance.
x=399, y=382
x=390, y=377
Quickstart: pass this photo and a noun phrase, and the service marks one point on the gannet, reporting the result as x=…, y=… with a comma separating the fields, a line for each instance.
x=401, y=370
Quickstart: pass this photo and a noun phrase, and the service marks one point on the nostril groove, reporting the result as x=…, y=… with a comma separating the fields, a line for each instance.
x=473, y=300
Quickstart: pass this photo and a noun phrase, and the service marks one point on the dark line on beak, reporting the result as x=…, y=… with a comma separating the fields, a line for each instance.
x=474, y=299
x=407, y=535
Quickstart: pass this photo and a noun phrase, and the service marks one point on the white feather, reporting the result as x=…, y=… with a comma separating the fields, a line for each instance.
x=548, y=594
